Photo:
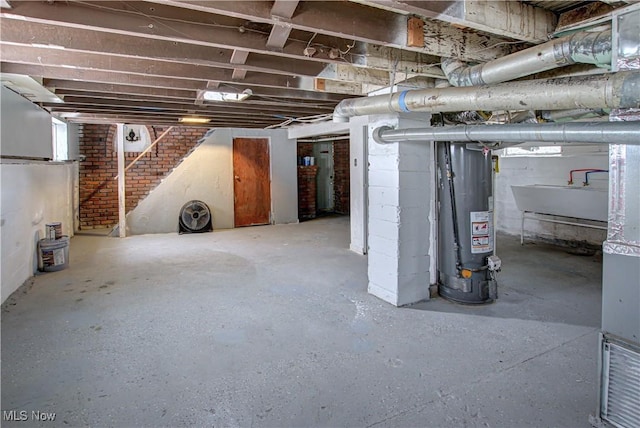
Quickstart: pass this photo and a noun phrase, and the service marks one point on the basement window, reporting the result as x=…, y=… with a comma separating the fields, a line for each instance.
x=59, y=140
x=532, y=151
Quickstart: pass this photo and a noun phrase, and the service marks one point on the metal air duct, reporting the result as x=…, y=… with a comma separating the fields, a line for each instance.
x=618, y=90
x=584, y=48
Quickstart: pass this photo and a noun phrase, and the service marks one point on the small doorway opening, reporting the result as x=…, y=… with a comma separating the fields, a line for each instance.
x=323, y=177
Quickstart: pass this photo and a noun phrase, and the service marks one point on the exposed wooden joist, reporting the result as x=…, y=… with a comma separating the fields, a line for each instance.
x=254, y=101
x=229, y=108
x=89, y=40
x=71, y=87
x=282, y=10
x=70, y=78
x=237, y=107
x=513, y=19
x=182, y=26
x=347, y=73
x=150, y=118
x=239, y=57
x=169, y=116
x=78, y=39
x=141, y=66
x=352, y=21
x=115, y=118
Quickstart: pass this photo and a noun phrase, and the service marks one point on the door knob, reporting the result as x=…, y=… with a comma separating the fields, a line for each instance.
x=237, y=178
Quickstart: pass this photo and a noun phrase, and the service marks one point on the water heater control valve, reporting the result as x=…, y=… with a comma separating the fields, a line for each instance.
x=494, y=263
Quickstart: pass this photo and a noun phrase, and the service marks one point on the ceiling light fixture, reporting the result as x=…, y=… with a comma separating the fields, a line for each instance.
x=194, y=120
x=226, y=96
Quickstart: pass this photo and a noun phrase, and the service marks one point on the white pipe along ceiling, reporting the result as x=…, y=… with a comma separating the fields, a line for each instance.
x=578, y=132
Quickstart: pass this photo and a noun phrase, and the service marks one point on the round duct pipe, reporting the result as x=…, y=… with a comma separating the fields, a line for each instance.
x=582, y=48
x=575, y=132
x=614, y=90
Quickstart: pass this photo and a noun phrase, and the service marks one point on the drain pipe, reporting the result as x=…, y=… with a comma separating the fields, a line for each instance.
x=613, y=90
x=584, y=48
x=576, y=132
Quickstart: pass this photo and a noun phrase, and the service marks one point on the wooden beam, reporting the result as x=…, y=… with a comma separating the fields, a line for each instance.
x=72, y=39
x=174, y=24
x=239, y=57
x=89, y=41
x=124, y=115
x=122, y=214
x=219, y=107
x=252, y=103
x=512, y=19
x=582, y=15
x=415, y=32
x=145, y=67
x=292, y=96
x=278, y=36
x=352, y=21
x=284, y=9
x=65, y=87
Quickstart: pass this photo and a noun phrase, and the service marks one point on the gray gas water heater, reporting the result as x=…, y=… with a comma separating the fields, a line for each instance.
x=467, y=264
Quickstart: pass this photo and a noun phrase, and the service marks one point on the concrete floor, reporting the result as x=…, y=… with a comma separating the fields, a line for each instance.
x=273, y=326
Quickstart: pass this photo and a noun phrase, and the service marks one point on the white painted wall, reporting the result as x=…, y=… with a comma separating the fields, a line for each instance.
x=358, y=185
x=401, y=213
x=207, y=175
x=33, y=194
x=25, y=127
x=547, y=170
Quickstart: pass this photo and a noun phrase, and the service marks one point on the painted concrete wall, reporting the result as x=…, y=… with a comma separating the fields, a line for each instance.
x=400, y=206
x=358, y=143
x=33, y=194
x=207, y=175
x=25, y=127
x=553, y=171
x=73, y=140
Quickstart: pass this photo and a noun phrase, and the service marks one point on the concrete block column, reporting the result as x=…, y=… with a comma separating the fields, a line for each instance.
x=401, y=203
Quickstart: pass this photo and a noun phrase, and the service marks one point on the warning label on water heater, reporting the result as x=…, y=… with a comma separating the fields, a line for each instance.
x=481, y=232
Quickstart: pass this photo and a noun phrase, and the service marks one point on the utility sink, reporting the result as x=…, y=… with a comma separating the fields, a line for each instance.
x=567, y=201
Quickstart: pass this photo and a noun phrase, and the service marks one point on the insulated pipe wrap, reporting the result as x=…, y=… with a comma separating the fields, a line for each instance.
x=585, y=48
x=619, y=90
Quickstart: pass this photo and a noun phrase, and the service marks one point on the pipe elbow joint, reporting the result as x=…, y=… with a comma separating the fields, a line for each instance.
x=377, y=134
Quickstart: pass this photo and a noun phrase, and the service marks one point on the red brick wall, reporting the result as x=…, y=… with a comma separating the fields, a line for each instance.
x=307, y=192
x=341, y=176
x=305, y=149
x=98, y=189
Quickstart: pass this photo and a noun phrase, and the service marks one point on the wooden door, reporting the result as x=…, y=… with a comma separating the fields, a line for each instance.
x=252, y=183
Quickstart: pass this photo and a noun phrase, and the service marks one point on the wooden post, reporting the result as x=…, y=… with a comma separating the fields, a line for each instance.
x=122, y=221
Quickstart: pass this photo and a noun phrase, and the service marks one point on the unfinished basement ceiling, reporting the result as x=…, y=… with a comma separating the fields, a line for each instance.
x=151, y=61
